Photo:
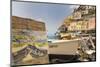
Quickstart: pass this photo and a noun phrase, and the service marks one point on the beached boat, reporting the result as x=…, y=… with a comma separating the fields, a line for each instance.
x=64, y=47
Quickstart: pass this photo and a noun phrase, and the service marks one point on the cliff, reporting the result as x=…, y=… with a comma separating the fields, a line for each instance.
x=25, y=23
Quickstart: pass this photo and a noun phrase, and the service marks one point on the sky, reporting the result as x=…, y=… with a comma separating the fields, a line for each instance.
x=52, y=15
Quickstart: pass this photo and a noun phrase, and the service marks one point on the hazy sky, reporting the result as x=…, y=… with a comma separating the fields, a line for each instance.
x=52, y=14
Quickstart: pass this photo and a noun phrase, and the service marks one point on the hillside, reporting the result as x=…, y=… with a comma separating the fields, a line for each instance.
x=25, y=23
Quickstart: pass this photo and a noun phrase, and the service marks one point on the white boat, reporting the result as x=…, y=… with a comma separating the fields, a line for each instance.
x=64, y=47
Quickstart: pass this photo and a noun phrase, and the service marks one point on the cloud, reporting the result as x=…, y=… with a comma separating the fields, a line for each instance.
x=74, y=6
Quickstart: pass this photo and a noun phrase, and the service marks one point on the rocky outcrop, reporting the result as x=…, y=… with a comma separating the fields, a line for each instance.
x=25, y=23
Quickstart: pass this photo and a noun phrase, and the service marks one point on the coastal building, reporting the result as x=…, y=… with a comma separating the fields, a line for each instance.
x=91, y=23
x=82, y=19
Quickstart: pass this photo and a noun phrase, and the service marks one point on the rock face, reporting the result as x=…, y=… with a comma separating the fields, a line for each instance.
x=27, y=34
x=24, y=23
